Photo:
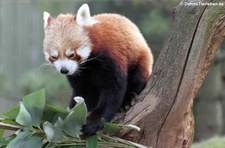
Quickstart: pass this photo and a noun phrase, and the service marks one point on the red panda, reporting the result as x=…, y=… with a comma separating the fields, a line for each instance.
x=105, y=57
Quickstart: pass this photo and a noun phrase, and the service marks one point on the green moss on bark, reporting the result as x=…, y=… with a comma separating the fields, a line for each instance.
x=214, y=13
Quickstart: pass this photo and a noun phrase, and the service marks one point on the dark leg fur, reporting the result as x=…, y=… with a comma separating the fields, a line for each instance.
x=102, y=84
x=72, y=101
x=136, y=84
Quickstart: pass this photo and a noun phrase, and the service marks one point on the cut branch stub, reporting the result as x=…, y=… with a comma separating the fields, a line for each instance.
x=164, y=112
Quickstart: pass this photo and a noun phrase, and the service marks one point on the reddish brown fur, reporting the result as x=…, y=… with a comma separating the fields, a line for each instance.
x=121, y=39
x=113, y=33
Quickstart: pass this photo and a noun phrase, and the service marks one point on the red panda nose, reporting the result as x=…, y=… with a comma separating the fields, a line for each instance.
x=64, y=70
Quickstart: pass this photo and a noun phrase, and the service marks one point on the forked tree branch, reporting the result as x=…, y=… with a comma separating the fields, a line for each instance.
x=164, y=111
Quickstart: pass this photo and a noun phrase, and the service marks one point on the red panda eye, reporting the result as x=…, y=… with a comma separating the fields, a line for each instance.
x=54, y=57
x=71, y=55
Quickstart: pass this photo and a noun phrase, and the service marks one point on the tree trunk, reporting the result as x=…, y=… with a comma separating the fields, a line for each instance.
x=208, y=106
x=164, y=111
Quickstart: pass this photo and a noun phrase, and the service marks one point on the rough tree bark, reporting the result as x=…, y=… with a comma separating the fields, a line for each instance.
x=164, y=111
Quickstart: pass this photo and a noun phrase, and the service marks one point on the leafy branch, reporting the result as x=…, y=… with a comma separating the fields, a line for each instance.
x=38, y=124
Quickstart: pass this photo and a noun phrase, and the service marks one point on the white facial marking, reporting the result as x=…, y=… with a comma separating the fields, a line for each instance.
x=69, y=52
x=46, y=16
x=54, y=53
x=84, y=16
x=47, y=56
x=70, y=65
x=84, y=52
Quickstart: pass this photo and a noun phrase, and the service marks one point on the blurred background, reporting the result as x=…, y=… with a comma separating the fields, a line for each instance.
x=24, y=70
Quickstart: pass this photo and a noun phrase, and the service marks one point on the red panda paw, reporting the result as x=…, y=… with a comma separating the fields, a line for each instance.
x=91, y=127
x=131, y=101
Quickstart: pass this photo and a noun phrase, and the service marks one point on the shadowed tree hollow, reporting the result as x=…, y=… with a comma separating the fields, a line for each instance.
x=164, y=110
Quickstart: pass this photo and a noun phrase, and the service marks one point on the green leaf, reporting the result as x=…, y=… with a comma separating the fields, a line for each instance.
x=92, y=142
x=25, y=139
x=51, y=113
x=53, y=134
x=76, y=118
x=35, y=104
x=23, y=117
x=1, y=133
x=5, y=141
x=56, y=109
x=59, y=123
x=8, y=121
x=11, y=114
x=111, y=128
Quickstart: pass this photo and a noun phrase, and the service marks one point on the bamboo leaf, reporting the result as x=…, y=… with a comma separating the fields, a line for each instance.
x=5, y=141
x=59, y=123
x=23, y=117
x=53, y=134
x=111, y=128
x=92, y=142
x=9, y=121
x=11, y=114
x=51, y=113
x=76, y=118
x=56, y=109
x=35, y=104
x=1, y=133
x=25, y=139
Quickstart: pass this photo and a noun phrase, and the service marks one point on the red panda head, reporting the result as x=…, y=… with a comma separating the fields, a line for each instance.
x=66, y=43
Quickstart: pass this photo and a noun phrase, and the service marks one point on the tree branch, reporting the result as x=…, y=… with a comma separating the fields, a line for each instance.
x=9, y=126
x=164, y=111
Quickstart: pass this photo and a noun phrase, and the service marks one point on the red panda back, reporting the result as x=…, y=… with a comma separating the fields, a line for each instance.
x=121, y=39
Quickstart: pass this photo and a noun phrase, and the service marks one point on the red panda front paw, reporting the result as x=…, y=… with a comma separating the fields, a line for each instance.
x=92, y=126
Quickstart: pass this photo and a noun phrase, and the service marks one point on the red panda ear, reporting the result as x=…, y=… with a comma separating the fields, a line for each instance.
x=83, y=16
x=47, y=19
